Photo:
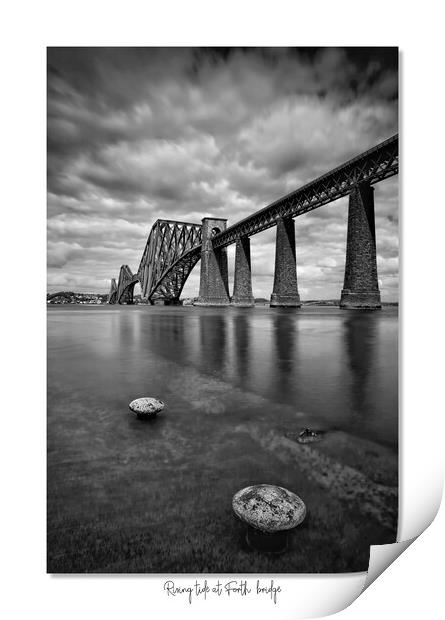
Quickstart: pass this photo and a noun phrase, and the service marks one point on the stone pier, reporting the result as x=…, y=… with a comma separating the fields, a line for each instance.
x=214, y=282
x=242, y=287
x=285, y=286
x=361, y=287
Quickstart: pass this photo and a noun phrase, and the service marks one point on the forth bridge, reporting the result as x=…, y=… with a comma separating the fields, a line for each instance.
x=174, y=248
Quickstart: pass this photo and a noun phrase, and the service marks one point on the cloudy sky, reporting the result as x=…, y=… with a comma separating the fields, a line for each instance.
x=137, y=134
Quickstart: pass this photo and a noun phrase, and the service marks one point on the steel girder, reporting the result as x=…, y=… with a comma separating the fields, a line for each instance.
x=380, y=162
x=112, y=295
x=170, y=286
x=171, y=252
x=125, y=285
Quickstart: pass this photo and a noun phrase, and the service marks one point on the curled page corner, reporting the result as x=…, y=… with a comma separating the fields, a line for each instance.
x=382, y=556
x=414, y=520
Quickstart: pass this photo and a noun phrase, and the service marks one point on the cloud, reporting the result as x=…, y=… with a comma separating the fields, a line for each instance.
x=137, y=134
x=59, y=253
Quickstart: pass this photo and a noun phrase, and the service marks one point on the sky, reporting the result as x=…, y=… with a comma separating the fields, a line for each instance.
x=140, y=134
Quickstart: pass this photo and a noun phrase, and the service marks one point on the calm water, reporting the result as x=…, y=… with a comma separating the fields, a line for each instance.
x=228, y=377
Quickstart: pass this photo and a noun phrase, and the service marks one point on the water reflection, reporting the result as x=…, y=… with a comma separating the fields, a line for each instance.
x=334, y=365
x=241, y=335
x=360, y=343
x=213, y=338
x=284, y=341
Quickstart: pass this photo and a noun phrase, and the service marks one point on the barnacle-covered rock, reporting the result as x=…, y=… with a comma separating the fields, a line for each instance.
x=147, y=407
x=269, y=508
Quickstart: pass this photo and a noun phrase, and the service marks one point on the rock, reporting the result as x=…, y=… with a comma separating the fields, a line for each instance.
x=146, y=407
x=269, y=512
x=309, y=436
x=269, y=508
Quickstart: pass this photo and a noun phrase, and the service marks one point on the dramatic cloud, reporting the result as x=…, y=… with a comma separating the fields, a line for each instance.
x=137, y=134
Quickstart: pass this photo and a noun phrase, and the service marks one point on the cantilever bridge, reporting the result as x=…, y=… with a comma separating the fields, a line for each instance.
x=174, y=248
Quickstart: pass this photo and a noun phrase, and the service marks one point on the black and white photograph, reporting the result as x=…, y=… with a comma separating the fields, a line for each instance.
x=222, y=309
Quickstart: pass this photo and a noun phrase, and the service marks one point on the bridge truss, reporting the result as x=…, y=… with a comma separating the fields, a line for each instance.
x=171, y=252
x=125, y=286
x=173, y=248
x=112, y=295
x=372, y=166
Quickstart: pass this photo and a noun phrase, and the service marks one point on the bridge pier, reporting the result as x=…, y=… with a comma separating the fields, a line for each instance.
x=214, y=279
x=242, y=287
x=361, y=287
x=285, y=286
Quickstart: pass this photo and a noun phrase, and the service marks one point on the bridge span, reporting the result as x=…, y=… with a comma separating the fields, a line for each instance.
x=174, y=248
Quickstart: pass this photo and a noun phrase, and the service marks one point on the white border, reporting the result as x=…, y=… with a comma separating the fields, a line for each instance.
x=29, y=28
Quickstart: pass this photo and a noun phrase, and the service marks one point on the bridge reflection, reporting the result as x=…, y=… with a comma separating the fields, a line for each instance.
x=360, y=343
x=284, y=333
x=368, y=388
x=213, y=335
x=326, y=365
x=242, y=344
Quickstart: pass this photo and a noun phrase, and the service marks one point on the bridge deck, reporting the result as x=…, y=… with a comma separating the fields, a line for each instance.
x=372, y=166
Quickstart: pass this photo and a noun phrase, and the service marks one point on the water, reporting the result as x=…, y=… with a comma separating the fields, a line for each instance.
x=239, y=384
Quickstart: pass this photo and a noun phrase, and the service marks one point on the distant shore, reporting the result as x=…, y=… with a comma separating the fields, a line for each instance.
x=65, y=297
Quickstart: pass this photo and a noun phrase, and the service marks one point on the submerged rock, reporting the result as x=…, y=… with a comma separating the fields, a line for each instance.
x=147, y=407
x=309, y=436
x=269, y=512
